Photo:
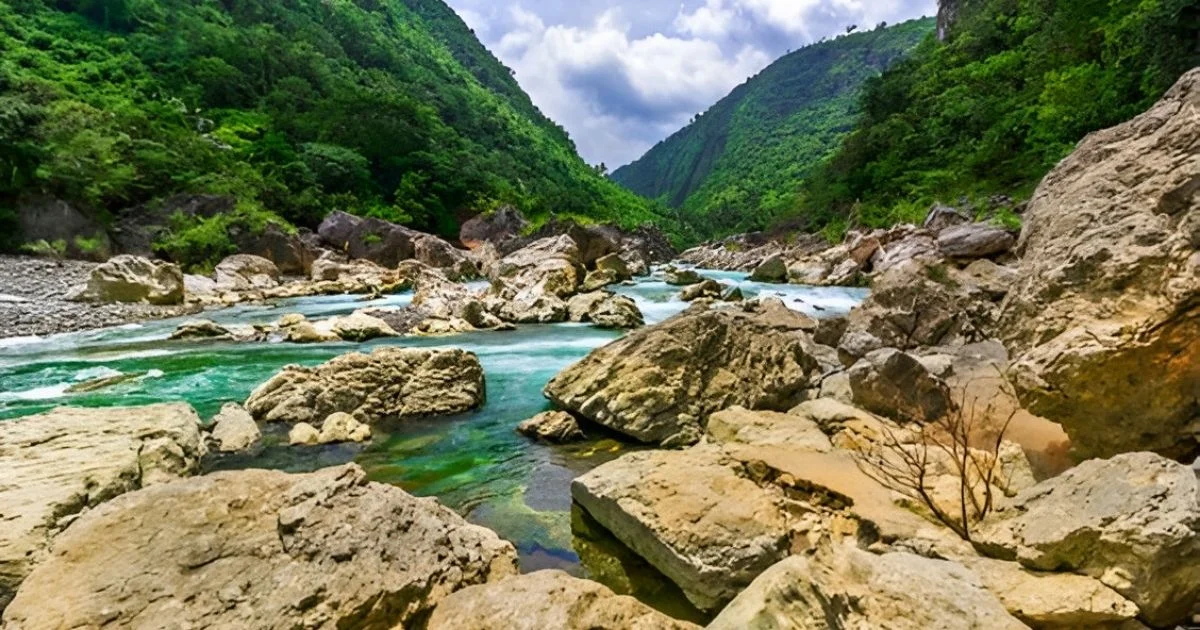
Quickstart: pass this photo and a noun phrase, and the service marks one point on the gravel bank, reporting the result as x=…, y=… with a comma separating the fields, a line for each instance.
x=32, y=300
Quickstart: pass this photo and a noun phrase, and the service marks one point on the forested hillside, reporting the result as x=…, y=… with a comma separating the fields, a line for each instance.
x=739, y=165
x=1016, y=85
x=389, y=108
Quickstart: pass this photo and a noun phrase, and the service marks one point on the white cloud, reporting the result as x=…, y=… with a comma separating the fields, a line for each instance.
x=621, y=75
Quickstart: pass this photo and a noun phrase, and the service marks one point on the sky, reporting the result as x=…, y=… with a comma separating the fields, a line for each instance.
x=621, y=75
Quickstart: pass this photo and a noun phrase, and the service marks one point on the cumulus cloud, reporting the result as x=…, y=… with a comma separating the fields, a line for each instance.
x=622, y=75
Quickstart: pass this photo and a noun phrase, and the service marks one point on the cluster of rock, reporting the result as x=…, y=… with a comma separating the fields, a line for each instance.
x=948, y=237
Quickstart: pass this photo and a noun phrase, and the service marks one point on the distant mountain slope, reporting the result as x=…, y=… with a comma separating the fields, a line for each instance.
x=390, y=108
x=741, y=163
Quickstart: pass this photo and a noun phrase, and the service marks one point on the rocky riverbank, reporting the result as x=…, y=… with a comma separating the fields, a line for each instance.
x=34, y=299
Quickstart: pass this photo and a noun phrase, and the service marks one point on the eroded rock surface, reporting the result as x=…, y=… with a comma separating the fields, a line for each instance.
x=1105, y=314
x=259, y=549
x=1131, y=522
x=61, y=462
x=557, y=427
x=134, y=279
x=660, y=384
x=547, y=600
x=387, y=384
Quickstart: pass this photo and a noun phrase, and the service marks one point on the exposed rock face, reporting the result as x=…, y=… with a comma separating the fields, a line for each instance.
x=388, y=384
x=1132, y=522
x=615, y=264
x=260, y=549
x=1105, y=315
x=290, y=253
x=915, y=305
x=896, y=385
x=234, y=429
x=693, y=515
x=343, y=427
x=659, y=384
x=504, y=224
x=682, y=277
x=773, y=269
x=550, y=266
x=62, y=462
x=557, y=427
x=244, y=272
x=134, y=279
x=849, y=588
x=44, y=218
x=358, y=327
x=371, y=239
x=1053, y=600
x=547, y=600
x=606, y=310
x=710, y=289
x=975, y=240
x=437, y=297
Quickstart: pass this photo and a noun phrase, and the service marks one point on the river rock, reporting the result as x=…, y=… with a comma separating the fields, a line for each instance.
x=557, y=427
x=387, y=384
x=599, y=279
x=503, y=224
x=546, y=600
x=916, y=305
x=260, y=549
x=773, y=269
x=343, y=427
x=1105, y=314
x=357, y=326
x=1132, y=522
x=234, y=429
x=437, y=253
x=615, y=264
x=710, y=289
x=197, y=287
x=133, y=279
x=550, y=266
x=1052, y=600
x=681, y=277
x=201, y=329
x=244, y=272
x=975, y=240
x=894, y=384
x=438, y=297
x=850, y=588
x=63, y=462
x=304, y=434
x=690, y=514
x=376, y=240
x=917, y=246
x=606, y=310
x=659, y=384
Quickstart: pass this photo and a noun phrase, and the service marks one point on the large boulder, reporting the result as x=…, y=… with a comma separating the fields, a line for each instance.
x=499, y=226
x=234, y=429
x=850, y=588
x=260, y=549
x=437, y=253
x=606, y=310
x=133, y=279
x=556, y=427
x=387, y=384
x=693, y=515
x=370, y=239
x=244, y=272
x=550, y=266
x=895, y=384
x=63, y=462
x=1105, y=313
x=291, y=253
x=1053, y=600
x=917, y=304
x=660, y=384
x=438, y=297
x=975, y=240
x=1131, y=522
x=773, y=269
x=547, y=600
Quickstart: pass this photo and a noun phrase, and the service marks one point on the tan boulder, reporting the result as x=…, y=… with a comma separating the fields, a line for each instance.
x=61, y=463
x=547, y=600
x=1052, y=600
x=133, y=279
x=244, y=272
x=387, y=384
x=1132, y=522
x=343, y=427
x=1105, y=314
x=660, y=384
x=234, y=429
x=550, y=266
x=605, y=309
x=260, y=549
x=557, y=427
x=304, y=434
x=850, y=588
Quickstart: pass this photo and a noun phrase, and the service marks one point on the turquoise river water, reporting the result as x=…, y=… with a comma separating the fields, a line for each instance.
x=475, y=462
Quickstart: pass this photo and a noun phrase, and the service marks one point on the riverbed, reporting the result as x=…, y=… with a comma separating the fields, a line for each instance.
x=475, y=462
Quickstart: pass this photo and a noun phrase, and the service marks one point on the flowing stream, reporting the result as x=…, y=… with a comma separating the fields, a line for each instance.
x=475, y=463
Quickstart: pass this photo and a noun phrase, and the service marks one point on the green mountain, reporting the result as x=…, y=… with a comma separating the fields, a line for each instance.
x=389, y=108
x=990, y=110
x=739, y=165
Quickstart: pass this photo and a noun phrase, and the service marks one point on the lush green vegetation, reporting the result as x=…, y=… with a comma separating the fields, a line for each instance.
x=1017, y=85
x=739, y=165
x=388, y=108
